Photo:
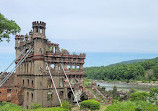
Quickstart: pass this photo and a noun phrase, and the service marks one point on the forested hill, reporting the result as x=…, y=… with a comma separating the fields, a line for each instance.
x=146, y=70
x=129, y=62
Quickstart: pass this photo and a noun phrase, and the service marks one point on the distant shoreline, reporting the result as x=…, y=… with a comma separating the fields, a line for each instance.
x=136, y=83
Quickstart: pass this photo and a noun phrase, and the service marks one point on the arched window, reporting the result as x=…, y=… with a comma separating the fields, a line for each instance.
x=27, y=96
x=23, y=83
x=32, y=84
x=40, y=50
x=41, y=31
x=32, y=96
x=27, y=82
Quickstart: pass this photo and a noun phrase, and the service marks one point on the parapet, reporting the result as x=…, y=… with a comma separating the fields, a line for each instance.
x=31, y=32
x=19, y=36
x=38, y=24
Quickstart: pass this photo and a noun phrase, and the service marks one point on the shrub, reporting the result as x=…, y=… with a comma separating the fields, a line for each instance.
x=35, y=106
x=132, y=90
x=90, y=104
x=132, y=106
x=153, y=95
x=103, y=87
x=65, y=104
x=139, y=96
x=114, y=93
x=6, y=106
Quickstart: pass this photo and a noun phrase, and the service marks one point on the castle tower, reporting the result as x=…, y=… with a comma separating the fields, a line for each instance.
x=39, y=28
x=33, y=76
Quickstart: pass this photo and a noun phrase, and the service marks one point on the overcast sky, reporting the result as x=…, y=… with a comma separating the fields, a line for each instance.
x=88, y=25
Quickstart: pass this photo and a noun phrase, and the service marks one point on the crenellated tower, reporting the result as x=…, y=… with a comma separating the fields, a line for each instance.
x=39, y=28
x=33, y=76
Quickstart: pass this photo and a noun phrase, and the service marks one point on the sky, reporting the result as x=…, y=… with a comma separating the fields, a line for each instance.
x=90, y=26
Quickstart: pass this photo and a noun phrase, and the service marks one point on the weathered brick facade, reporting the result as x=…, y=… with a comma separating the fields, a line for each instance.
x=9, y=92
x=32, y=76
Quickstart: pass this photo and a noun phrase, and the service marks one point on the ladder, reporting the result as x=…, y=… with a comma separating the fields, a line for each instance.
x=14, y=61
x=54, y=84
x=17, y=65
x=70, y=85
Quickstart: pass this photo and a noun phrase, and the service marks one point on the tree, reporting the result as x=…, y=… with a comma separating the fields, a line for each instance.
x=114, y=92
x=7, y=27
x=139, y=96
x=154, y=95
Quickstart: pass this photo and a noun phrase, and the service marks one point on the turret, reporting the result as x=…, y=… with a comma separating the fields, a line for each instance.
x=39, y=27
x=18, y=40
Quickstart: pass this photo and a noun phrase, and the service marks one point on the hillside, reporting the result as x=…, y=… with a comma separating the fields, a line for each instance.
x=126, y=71
x=129, y=62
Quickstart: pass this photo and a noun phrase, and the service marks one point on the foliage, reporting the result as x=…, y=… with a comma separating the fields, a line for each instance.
x=114, y=92
x=7, y=27
x=103, y=87
x=124, y=72
x=35, y=106
x=90, y=104
x=139, y=96
x=153, y=95
x=6, y=106
x=66, y=105
x=132, y=90
x=132, y=106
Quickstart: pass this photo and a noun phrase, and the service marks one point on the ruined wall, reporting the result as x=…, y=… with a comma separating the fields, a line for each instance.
x=31, y=82
x=9, y=92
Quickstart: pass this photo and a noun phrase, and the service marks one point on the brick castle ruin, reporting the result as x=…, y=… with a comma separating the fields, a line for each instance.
x=31, y=82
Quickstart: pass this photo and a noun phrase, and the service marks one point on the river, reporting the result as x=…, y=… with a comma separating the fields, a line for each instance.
x=125, y=86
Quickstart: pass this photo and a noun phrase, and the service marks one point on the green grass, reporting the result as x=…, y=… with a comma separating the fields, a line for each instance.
x=102, y=108
x=6, y=106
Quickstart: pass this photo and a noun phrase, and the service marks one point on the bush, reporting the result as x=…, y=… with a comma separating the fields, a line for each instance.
x=153, y=96
x=139, y=96
x=132, y=106
x=35, y=106
x=65, y=105
x=103, y=87
x=90, y=104
x=6, y=106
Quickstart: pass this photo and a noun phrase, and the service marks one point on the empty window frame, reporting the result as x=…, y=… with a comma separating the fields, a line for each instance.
x=50, y=96
x=49, y=85
x=32, y=84
x=27, y=82
x=8, y=92
x=68, y=66
x=23, y=82
x=32, y=97
x=27, y=96
x=61, y=82
x=61, y=93
x=52, y=66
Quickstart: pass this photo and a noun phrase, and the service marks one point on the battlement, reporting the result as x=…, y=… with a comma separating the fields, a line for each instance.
x=39, y=24
x=19, y=36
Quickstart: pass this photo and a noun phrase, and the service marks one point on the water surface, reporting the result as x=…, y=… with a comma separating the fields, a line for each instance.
x=125, y=86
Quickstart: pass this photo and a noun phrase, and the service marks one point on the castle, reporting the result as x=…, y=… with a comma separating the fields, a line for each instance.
x=32, y=83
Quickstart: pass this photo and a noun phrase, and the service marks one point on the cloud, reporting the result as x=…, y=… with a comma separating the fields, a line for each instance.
x=91, y=26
